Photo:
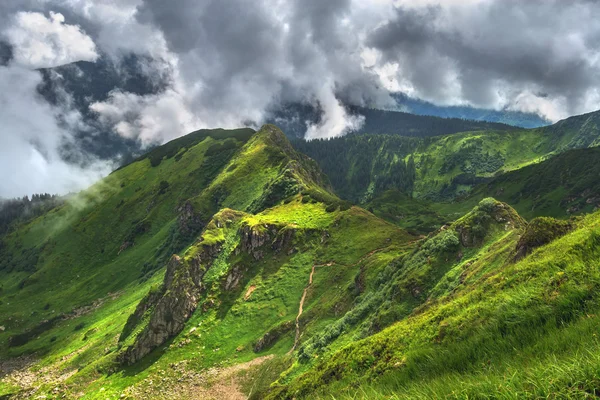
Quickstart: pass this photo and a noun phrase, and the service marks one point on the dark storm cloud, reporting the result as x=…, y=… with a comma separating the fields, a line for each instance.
x=243, y=56
x=550, y=47
x=221, y=44
x=6, y=53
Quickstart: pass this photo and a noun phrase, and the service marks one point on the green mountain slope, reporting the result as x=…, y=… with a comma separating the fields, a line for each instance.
x=222, y=265
x=488, y=322
x=563, y=185
x=444, y=167
x=73, y=279
x=122, y=230
x=118, y=231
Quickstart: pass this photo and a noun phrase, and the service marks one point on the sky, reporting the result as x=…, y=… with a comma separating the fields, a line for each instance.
x=224, y=63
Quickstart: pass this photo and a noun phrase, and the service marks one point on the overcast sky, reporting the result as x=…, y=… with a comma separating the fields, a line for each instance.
x=222, y=63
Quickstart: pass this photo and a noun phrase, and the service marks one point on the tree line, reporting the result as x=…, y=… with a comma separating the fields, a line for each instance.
x=13, y=211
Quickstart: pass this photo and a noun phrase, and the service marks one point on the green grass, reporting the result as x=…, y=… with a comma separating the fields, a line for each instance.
x=99, y=242
x=389, y=314
x=415, y=215
x=465, y=339
x=442, y=168
x=226, y=332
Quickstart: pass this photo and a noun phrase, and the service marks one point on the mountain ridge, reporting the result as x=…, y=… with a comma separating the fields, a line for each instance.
x=230, y=251
x=443, y=167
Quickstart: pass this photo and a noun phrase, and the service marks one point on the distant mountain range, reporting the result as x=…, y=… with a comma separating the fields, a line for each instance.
x=295, y=118
x=515, y=118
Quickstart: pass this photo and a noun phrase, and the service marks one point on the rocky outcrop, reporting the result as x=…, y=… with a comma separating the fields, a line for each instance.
x=540, y=231
x=254, y=238
x=177, y=299
x=181, y=291
x=175, y=302
x=474, y=227
x=143, y=306
x=234, y=277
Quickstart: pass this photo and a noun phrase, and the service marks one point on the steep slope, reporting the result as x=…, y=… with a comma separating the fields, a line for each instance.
x=125, y=228
x=562, y=186
x=117, y=232
x=252, y=245
x=566, y=184
x=485, y=316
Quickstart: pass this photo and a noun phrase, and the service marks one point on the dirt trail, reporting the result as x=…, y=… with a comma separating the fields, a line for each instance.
x=225, y=385
x=183, y=383
x=310, y=281
x=249, y=292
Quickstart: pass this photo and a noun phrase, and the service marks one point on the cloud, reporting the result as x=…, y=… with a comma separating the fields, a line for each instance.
x=188, y=64
x=153, y=119
x=226, y=74
x=496, y=53
x=31, y=141
x=46, y=42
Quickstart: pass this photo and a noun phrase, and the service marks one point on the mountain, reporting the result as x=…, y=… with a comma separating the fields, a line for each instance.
x=441, y=168
x=407, y=124
x=515, y=118
x=295, y=118
x=224, y=265
x=227, y=223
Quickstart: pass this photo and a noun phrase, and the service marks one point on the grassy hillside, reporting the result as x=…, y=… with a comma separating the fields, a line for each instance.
x=488, y=323
x=566, y=184
x=562, y=186
x=119, y=231
x=443, y=167
x=82, y=283
x=223, y=266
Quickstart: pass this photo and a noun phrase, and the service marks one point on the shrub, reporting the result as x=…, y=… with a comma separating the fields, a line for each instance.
x=162, y=187
x=541, y=231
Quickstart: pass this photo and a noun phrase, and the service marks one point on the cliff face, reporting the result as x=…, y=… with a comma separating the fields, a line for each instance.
x=179, y=298
x=183, y=286
x=254, y=238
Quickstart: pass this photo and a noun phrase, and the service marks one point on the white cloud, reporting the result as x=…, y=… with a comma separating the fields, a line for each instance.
x=533, y=56
x=30, y=141
x=151, y=119
x=45, y=42
x=336, y=121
